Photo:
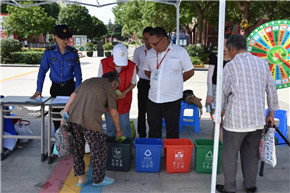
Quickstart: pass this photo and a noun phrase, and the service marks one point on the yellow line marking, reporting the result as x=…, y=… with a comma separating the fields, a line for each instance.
x=70, y=184
x=16, y=76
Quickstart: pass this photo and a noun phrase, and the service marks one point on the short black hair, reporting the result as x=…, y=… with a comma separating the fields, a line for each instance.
x=159, y=32
x=112, y=76
x=237, y=41
x=227, y=36
x=147, y=30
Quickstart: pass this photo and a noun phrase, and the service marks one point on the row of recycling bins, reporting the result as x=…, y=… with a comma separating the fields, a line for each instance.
x=177, y=155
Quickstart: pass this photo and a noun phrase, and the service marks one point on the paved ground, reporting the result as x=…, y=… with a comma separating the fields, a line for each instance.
x=23, y=172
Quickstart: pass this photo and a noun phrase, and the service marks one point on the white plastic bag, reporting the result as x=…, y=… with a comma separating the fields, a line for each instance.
x=9, y=143
x=21, y=128
x=267, y=147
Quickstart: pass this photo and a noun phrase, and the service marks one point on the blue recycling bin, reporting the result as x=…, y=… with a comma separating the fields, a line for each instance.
x=148, y=154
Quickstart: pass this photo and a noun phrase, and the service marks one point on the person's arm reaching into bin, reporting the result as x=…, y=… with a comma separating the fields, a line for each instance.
x=116, y=120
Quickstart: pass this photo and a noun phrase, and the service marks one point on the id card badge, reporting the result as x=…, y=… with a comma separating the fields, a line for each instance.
x=155, y=75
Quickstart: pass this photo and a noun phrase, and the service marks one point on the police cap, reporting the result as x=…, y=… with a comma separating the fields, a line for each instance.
x=62, y=31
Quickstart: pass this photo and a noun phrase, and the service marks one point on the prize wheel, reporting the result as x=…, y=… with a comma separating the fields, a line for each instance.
x=271, y=41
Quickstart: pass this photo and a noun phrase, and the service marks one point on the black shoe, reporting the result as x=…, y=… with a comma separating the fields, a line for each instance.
x=220, y=188
x=251, y=190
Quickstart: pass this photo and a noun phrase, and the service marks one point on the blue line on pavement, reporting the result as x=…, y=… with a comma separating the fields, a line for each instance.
x=89, y=188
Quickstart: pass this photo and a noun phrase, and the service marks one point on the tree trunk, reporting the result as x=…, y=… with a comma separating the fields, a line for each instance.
x=199, y=28
x=200, y=19
x=189, y=32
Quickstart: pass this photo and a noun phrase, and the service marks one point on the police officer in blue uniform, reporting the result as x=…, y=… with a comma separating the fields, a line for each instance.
x=64, y=65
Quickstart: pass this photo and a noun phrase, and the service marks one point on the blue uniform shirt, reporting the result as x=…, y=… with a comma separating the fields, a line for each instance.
x=62, y=67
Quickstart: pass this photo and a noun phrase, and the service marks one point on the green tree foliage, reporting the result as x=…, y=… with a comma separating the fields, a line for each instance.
x=194, y=12
x=8, y=46
x=114, y=30
x=254, y=11
x=205, y=10
x=158, y=14
x=77, y=18
x=129, y=16
x=3, y=8
x=187, y=12
x=52, y=9
x=277, y=9
x=134, y=16
x=97, y=29
x=27, y=22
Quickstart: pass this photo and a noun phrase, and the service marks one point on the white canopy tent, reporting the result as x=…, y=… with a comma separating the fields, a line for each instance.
x=176, y=3
x=102, y=3
x=221, y=32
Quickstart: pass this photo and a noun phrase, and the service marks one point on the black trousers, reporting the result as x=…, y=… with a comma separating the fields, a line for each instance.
x=170, y=112
x=65, y=89
x=143, y=89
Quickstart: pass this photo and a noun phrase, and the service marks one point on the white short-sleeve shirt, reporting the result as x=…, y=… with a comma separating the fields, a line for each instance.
x=139, y=57
x=166, y=82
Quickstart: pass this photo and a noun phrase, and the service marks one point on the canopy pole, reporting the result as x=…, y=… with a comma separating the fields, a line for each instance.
x=221, y=27
x=177, y=22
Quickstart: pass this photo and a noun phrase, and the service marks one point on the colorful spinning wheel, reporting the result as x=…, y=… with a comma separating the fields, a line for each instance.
x=271, y=41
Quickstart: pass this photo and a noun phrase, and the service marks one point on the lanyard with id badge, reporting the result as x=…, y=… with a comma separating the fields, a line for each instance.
x=156, y=72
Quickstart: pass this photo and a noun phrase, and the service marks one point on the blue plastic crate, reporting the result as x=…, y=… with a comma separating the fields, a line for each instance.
x=148, y=154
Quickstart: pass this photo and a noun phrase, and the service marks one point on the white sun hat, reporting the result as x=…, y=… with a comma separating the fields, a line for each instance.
x=120, y=55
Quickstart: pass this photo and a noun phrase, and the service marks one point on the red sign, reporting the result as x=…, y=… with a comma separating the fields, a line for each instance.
x=2, y=34
x=71, y=42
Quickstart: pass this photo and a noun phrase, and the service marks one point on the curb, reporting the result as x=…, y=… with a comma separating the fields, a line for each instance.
x=19, y=65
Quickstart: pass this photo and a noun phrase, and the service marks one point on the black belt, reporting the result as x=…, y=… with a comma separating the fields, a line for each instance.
x=62, y=84
x=145, y=80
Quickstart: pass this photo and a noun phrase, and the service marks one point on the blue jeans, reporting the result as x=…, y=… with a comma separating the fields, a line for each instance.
x=124, y=123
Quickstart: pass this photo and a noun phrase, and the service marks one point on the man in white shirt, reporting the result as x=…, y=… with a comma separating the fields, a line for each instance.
x=168, y=66
x=246, y=79
x=143, y=85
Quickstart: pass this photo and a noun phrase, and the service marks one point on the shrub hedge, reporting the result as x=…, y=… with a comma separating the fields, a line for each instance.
x=195, y=60
x=198, y=54
x=27, y=57
x=107, y=46
x=89, y=46
x=8, y=46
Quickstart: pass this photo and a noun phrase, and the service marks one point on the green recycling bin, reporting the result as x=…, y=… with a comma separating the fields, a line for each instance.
x=204, y=155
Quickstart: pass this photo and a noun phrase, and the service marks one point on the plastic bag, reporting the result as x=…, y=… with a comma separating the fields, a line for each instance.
x=267, y=147
x=21, y=128
x=64, y=140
